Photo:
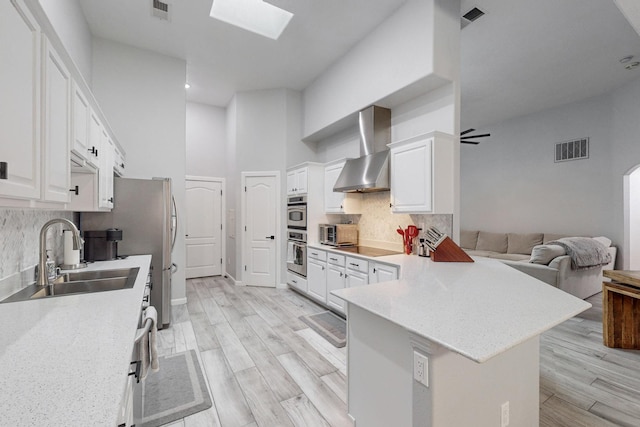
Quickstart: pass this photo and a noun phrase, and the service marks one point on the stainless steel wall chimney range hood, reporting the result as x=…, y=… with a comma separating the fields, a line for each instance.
x=370, y=171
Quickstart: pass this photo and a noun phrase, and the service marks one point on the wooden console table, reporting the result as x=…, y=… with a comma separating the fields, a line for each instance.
x=621, y=309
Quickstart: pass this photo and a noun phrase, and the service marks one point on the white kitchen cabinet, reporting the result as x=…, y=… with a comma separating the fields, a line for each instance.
x=336, y=279
x=423, y=174
x=335, y=202
x=118, y=162
x=81, y=110
x=317, y=279
x=105, y=173
x=20, y=56
x=298, y=282
x=56, y=123
x=297, y=181
x=379, y=272
x=356, y=278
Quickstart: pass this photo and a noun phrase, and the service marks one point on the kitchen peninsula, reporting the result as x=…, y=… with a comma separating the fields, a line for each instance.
x=477, y=325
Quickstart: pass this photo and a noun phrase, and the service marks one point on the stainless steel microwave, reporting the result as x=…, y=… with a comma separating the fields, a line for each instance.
x=338, y=234
x=297, y=212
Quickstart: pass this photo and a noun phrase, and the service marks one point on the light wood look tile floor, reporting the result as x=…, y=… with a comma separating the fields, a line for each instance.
x=266, y=368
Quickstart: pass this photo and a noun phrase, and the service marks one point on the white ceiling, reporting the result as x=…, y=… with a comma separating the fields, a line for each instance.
x=519, y=58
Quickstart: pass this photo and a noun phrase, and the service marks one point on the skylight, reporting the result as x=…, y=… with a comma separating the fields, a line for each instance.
x=252, y=15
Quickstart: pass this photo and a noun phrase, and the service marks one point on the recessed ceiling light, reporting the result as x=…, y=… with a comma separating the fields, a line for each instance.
x=632, y=66
x=252, y=15
x=187, y=85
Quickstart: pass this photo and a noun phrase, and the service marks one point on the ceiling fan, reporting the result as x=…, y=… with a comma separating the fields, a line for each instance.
x=466, y=139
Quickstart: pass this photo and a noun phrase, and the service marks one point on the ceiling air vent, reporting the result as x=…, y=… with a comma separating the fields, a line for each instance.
x=471, y=16
x=572, y=150
x=160, y=10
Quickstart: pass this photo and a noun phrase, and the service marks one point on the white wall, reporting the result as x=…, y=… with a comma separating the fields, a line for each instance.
x=510, y=182
x=410, y=53
x=625, y=155
x=142, y=94
x=206, y=139
x=233, y=188
x=262, y=126
x=67, y=18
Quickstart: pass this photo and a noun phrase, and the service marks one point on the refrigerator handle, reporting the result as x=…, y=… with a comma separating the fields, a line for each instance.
x=174, y=218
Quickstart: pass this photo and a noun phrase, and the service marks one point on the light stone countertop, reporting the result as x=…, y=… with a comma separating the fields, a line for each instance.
x=64, y=360
x=478, y=310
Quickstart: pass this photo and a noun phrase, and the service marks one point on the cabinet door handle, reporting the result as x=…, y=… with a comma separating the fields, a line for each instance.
x=333, y=259
x=313, y=253
x=374, y=270
x=74, y=190
x=110, y=199
x=323, y=267
x=355, y=265
x=4, y=170
x=341, y=274
x=294, y=281
x=270, y=237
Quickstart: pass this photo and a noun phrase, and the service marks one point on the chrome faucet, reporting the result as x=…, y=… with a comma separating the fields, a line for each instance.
x=43, y=280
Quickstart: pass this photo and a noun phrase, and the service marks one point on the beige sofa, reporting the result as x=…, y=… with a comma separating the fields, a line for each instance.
x=514, y=249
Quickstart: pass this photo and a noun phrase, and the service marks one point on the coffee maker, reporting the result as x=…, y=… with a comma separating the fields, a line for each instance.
x=101, y=245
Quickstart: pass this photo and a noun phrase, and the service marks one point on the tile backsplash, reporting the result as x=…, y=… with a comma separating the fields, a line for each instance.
x=19, y=238
x=378, y=225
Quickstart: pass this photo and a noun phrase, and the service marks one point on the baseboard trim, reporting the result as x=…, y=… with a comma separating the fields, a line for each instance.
x=282, y=286
x=179, y=301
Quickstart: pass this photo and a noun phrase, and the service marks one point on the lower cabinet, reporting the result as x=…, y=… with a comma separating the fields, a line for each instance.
x=336, y=279
x=382, y=272
x=328, y=271
x=317, y=279
x=298, y=282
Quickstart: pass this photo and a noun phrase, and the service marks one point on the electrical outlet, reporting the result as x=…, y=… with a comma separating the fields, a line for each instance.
x=421, y=368
x=504, y=418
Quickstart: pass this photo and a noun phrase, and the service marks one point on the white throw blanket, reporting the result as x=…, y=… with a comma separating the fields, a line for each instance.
x=585, y=252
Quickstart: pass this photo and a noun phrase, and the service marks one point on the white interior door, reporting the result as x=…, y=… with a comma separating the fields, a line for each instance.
x=204, y=228
x=261, y=206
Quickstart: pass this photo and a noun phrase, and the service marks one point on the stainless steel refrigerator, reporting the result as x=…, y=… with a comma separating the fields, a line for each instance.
x=144, y=209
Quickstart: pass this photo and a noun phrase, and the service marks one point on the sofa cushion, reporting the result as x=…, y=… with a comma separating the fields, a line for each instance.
x=548, y=237
x=520, y=243
x=473, y=252
x=510, y=257
x=544, y=254
x=468, y=239
x=494, y=242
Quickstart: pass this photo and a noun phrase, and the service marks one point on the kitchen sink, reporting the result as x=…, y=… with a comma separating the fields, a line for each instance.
x=79, y=283
x=78, y=276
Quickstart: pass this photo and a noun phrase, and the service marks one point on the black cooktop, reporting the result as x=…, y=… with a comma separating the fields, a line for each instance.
x=368, y=251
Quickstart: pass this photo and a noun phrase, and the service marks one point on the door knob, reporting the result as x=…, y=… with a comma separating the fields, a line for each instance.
x=270, y=237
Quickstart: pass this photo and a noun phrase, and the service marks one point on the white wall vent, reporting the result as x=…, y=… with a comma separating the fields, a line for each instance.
x=160, y=10
x=572, y=150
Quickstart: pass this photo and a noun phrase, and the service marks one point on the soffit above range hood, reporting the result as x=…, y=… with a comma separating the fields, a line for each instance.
x=370, y=171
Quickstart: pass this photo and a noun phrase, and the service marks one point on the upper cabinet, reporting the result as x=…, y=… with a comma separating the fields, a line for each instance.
x=334, y=202
x=81, y=150
x=423, y=174
x=20, y=104
x=56, y=126
x=297, y=181
x=51, y=127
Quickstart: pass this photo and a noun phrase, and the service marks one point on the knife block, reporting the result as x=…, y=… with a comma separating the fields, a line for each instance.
x=448, y=251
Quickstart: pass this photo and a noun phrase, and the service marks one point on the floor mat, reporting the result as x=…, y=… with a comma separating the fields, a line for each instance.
x=332, y=327
x=177, y=390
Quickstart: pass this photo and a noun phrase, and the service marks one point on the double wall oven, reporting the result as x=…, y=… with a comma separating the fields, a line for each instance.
x=297, y=235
